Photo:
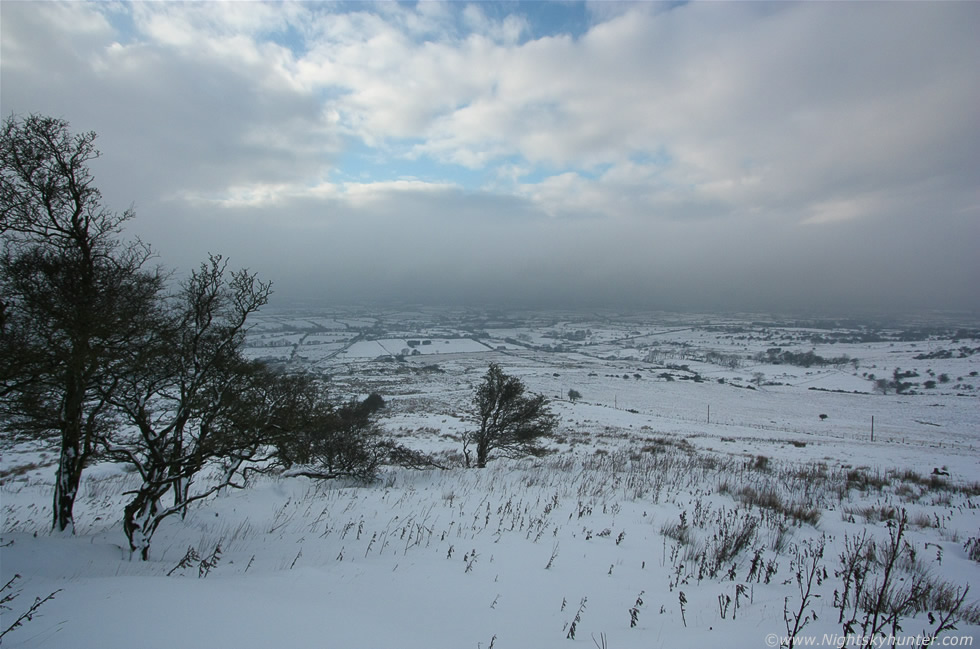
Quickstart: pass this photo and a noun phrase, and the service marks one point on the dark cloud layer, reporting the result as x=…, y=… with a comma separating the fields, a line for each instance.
x=817, y=156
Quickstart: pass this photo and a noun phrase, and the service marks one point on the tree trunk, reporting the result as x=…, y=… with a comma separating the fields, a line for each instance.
x=139, y=519
x=482, y=454
x=72, y=459
x=67, y=479
x=181, y=481
x=181, y=484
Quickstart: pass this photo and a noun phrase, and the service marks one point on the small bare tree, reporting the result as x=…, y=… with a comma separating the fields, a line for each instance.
x=510, y=422
x=190, y=397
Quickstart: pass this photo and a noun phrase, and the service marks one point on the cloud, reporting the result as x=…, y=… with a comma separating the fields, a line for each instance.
x=700, y=153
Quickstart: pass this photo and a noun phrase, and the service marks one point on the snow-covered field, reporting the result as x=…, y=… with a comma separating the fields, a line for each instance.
x=692, y=489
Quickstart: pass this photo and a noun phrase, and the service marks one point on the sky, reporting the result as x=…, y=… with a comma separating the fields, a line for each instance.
x=680, y=156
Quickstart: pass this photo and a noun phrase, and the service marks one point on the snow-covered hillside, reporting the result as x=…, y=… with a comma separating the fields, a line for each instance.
x=698, y=494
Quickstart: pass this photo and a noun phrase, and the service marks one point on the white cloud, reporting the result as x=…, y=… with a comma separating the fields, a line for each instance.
x=841, y=210
x=704, y=123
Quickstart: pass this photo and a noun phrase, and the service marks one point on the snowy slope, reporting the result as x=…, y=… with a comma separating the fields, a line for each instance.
x=640, y=496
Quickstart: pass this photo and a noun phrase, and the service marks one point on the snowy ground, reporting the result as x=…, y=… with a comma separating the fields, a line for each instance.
x=641, y=501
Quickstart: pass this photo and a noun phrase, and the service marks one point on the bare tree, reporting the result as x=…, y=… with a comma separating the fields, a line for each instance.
x=189, y=396
x=72, y=294
x=510, y=422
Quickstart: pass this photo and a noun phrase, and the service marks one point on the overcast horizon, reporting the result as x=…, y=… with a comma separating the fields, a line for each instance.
x=676, y=156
